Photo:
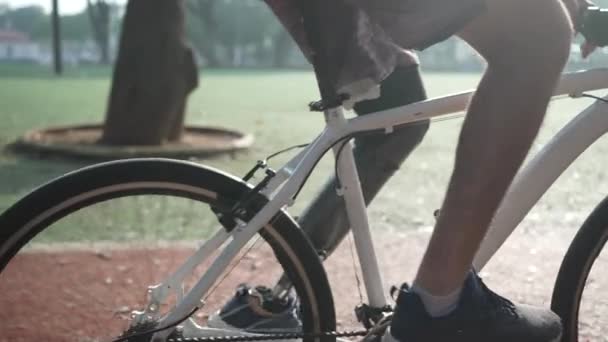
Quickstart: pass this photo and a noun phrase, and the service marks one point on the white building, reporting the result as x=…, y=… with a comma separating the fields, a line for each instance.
x=17, y=46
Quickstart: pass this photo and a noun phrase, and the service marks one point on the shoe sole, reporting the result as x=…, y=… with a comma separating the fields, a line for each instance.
x=388, y=337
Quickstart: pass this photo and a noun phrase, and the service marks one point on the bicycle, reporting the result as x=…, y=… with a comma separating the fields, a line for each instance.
x=247, y=213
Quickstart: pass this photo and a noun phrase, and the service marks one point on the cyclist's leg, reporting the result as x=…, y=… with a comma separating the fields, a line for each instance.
x=377, y=158
x=526, y=45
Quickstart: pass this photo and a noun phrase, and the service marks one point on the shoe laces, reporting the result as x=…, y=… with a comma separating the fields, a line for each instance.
x=265, y=299
x=394, y=291
x=496, y=301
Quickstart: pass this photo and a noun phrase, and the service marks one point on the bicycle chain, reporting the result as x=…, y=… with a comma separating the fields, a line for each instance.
x=271, y=337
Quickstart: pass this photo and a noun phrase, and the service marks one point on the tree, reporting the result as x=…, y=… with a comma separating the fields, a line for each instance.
x=29, y=19
x=228, y=33
x=202, y=24
x=100, y=15
x=36, y=23
x=25, y=19
x=56, y=27
x=153, y=75
x=283, y=43
x=76, y=27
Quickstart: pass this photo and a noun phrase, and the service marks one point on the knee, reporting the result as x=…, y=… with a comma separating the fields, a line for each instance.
x=536, y=43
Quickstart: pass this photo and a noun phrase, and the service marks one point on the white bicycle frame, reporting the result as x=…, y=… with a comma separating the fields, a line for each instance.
x=528, y=187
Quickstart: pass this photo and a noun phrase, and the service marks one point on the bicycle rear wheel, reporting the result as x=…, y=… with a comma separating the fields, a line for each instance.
x=579, y=295
x=77, y=254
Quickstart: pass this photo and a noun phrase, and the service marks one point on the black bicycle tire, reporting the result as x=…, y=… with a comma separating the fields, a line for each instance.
x=574, y=270
x=291, y=247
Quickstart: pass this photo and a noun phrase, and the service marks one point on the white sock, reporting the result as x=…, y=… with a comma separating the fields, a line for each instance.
x=388, y=337
x=438, y=306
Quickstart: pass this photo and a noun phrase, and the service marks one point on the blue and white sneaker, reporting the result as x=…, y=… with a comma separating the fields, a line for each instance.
x=257, y=310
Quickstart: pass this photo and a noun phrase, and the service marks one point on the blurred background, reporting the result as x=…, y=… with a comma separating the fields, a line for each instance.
x=58, y=68
x=224, y=34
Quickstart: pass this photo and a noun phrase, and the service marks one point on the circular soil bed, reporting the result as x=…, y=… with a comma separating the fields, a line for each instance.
x=81, y=142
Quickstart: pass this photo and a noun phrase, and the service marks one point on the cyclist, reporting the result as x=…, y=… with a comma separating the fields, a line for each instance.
x=525, y=44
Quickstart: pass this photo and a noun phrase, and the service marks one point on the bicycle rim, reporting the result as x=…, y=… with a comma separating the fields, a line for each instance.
x=89, y=266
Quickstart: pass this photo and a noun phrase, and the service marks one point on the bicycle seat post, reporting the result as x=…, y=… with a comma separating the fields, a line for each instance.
x=325, y=60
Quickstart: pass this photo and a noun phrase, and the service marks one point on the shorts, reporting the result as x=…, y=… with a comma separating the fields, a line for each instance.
x=418, y=24
x=378, y=34
x=364, y=40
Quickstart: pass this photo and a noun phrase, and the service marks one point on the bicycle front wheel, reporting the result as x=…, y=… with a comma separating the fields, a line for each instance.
x=579, y=296
x=77, y=254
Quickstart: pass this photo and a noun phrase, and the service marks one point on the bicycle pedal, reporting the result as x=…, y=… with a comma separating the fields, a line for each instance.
x=436, y=213
x=372, y=317
x=377, y=331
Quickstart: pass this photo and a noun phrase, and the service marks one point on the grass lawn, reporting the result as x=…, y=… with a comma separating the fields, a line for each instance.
x=272, y=106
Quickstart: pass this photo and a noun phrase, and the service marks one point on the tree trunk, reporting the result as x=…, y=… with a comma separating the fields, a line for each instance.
x=154, y=73
x=56, y=27
x=99, y=15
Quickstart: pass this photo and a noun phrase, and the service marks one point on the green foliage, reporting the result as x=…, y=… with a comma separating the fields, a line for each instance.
x=37, y=24
x=245, y=22
x=29, y=19
x=76, y=27
x=228, y=32
x=224, y=33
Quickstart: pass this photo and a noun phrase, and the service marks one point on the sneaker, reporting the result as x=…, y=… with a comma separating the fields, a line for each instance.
x=481, y=315
x=256, y=310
